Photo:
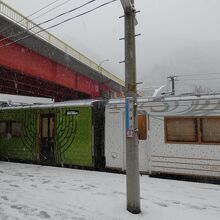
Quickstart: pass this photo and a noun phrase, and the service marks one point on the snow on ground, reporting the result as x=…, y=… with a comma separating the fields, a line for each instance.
x=33, y=192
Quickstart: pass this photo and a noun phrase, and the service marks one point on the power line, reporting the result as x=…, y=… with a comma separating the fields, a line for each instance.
x=49, y=20
x=51, y=9
x=52, y=3
x=18, y=22
x=197, y=79
x=198, y=74
x=62, y=22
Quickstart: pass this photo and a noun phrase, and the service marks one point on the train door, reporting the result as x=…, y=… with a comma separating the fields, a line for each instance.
x=113, y=139
x=47, y=138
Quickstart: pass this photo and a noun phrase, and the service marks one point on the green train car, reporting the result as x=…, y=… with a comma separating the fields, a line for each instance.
x=68, y=133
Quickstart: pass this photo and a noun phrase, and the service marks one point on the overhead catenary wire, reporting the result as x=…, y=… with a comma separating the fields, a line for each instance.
x=187, y=77
x=47, y=21
x=62, y=22
x=34, y=13
x=198, y=74
x=42, y=14
x=197, y=79
x=44, y=7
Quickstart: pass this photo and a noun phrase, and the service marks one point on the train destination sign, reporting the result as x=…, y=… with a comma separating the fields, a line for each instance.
x=72, y=112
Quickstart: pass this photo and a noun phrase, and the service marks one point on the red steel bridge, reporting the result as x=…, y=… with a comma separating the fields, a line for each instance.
x=42, y=65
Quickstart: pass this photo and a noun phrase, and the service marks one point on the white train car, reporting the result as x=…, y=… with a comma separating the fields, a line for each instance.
x=181, y=136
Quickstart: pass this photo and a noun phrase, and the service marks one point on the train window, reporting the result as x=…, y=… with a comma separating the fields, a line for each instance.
x=3, y=129
x=181, y=129
x=45, y=127
x=210, y=129
x=142, y=126
x=51, y=130
x=16, y=129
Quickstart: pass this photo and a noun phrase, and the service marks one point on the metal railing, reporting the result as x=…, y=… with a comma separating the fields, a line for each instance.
x=26, y=23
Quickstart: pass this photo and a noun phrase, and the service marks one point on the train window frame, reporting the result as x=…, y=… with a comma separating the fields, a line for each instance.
x=196, y=129
x=142, y=131
x=9, y=132
x=44, y=126
x=11, y=129
x=202, y=130
x=200, y=135
x=4, y=133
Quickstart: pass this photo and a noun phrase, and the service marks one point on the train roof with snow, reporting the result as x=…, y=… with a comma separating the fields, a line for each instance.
x=175, y=105
x=80, y=103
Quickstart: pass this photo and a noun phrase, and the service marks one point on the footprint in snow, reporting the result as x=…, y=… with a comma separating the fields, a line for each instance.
x=14, y=185
x=46, y=181
x=4, y=198
x=161, y=204
x=119, y=193
x=90, y=185
x=84, y=187
x=197, y=207
x=18, y=207
x=100, y=194
x=44, y=214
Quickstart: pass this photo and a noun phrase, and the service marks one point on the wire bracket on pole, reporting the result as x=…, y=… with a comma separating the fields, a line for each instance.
x=122, y=16
x=136, y=12
x=122, y=38
x=139, y=83
x=122, y=62
x=137, y=35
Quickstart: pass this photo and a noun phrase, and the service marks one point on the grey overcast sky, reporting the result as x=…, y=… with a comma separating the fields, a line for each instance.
x=178, y=37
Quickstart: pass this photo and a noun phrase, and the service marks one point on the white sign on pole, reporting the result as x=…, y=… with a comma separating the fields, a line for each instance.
x=129, y=115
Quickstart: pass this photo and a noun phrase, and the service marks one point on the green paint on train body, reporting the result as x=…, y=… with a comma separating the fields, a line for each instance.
x=72, y=139
x=16, y=146
x=73, y=142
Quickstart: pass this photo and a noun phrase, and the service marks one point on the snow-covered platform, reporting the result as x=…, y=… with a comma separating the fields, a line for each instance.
x=36, y=192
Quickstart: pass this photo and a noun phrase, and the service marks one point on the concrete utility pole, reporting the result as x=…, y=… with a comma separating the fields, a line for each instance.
x=132, y=152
